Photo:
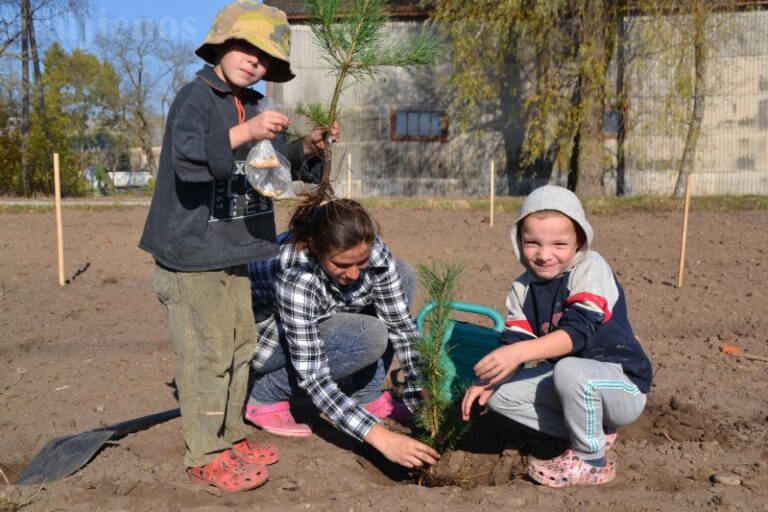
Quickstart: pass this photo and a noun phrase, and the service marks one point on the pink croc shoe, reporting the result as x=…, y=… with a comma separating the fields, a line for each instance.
x=276, y=419
x=387, y=407
x=568, y=469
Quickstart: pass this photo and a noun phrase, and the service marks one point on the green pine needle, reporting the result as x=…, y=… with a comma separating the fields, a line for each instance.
x=355, y=43
x=439, y=416
x=317, y=113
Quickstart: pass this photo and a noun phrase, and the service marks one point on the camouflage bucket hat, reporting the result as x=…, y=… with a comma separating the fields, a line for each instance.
x=263, y=26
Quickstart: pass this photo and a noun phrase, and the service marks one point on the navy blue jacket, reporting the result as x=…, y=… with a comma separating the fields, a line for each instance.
x=588, y=303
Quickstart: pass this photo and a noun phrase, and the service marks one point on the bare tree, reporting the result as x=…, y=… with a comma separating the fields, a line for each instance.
x=10, y=25
x=42, y=11
x=148, y=65
x=25, y=110
x=34, y=53
x=179, y=58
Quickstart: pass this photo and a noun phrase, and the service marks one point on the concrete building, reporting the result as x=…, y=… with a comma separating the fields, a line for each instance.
x=401, y=141
x=732, y=151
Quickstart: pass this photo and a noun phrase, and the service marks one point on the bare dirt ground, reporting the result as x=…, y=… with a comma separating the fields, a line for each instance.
x=97, y=352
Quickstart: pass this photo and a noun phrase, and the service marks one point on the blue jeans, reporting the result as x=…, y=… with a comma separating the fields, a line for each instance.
x=358, y=351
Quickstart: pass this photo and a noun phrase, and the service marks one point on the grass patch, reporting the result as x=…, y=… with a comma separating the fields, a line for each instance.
x=37, y=206
x=12, y=209
x=614, y=205
x=593, y=205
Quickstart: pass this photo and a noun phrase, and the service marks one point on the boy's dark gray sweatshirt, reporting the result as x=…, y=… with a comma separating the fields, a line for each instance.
x=204, y=214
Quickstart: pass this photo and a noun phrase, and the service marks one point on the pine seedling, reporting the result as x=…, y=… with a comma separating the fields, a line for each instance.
x=438, y=415
x=355, y=45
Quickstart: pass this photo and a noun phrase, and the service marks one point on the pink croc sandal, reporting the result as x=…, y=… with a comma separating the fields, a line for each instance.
x=252, y=453
x=568, y=469
x=387, y=407
x=276, y=419
x=229, y=474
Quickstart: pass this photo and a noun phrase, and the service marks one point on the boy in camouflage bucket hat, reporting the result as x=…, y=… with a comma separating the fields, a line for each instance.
x=260, y=25
x=206, y=222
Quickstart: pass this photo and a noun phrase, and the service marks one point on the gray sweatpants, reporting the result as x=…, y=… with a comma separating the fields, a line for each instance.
x=573, y=400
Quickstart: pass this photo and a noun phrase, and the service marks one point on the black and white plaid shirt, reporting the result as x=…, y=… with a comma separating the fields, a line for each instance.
x=294, y=288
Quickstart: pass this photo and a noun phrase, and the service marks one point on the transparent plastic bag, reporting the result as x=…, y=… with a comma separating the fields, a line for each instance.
x=266, y=103
x=269, y=174
x=262, y=156
x=266, y=170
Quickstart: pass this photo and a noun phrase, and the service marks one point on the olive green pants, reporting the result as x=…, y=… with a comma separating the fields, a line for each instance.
x=213, y=336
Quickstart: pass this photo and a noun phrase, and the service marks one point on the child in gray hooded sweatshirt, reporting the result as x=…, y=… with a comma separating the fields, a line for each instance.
x=568, y=311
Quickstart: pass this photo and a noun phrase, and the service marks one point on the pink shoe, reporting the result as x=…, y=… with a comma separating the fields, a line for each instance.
x=276, y=419
x=387, y=407
x=568, y=469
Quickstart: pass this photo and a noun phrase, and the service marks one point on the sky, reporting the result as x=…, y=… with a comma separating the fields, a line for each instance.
x=178, y=20
x=181, y=21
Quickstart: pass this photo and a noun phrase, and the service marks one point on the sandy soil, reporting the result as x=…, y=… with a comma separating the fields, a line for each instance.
x=97, y=352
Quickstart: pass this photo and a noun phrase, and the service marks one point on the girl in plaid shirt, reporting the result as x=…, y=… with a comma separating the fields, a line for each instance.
x=330, y=310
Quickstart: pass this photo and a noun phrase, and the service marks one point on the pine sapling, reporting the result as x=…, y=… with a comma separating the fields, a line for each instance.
x=353, y=41
x=438, y=415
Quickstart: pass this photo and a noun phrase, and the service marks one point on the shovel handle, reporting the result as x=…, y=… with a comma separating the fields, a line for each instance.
x=136, y=424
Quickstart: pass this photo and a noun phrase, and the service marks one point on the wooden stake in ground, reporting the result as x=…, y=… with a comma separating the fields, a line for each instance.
x=59, y=230
x=685, y=231
x=349, y=175
x=493, y=188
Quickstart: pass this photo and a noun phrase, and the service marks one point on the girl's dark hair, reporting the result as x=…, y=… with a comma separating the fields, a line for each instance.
x=333, y=224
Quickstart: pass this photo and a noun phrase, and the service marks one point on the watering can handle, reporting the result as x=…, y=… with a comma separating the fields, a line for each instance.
x=498, y=320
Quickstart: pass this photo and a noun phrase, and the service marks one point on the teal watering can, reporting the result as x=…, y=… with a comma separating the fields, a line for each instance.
x=464, y=344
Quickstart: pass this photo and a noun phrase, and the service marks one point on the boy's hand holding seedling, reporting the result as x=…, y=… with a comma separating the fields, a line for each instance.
x=316, y=141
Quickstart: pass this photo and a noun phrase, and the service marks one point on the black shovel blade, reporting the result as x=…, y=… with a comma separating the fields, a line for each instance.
x=64, y=455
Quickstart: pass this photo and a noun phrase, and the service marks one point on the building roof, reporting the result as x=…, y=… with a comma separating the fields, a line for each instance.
x=398, y=9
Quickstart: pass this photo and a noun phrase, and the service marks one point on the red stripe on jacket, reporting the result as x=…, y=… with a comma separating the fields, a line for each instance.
x=521, y=325
x=597, y=300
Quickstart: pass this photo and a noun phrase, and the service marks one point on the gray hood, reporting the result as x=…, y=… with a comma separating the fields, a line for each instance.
x=551, y=197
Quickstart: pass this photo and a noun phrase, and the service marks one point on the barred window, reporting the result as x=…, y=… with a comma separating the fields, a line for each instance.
x=418, y=125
